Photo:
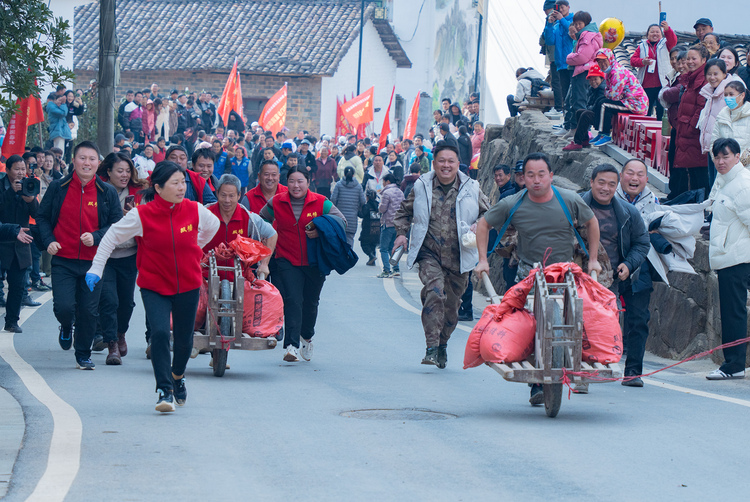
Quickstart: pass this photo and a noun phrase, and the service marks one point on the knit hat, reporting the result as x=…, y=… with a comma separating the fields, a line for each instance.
x=549, y=4
x=595, y=71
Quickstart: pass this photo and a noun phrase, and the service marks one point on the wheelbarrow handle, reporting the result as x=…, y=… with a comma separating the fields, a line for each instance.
x=494, y=298
x=593, y=275
x=262, y=276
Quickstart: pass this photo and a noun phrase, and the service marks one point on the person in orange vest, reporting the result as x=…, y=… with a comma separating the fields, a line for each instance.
x=169, y=280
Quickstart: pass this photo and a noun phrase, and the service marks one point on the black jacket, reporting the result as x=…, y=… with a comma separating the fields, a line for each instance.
x=465, y=149
x=450, y=139
x=633, y=237
x=15, y=212
x=108, y=208
x=595, y=98
x=235, y=123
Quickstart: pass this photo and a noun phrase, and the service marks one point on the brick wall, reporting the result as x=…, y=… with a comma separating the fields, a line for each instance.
x=303, y=102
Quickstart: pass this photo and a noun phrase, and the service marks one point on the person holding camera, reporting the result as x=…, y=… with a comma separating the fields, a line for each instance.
x=16, y=206
x=90, y=206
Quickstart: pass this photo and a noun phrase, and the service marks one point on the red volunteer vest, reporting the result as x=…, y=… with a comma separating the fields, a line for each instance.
x=79, y=214
x=198, y=184
x=292, y=243
x=168, y=257
x=237, y=226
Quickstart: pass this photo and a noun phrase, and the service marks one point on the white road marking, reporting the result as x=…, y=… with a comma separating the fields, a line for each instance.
x=64, y=457
x=390, y=288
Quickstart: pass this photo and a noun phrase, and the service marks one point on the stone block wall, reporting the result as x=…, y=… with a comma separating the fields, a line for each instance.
x=303, y=101
x=685, y=317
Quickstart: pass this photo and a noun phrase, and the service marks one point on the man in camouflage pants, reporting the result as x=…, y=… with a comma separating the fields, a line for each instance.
x=442, y=203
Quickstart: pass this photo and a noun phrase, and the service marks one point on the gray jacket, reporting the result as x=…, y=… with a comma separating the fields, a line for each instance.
x=349, y=197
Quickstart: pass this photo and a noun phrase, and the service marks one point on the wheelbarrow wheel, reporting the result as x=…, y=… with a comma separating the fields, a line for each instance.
x=225, y=327
x=553, y=392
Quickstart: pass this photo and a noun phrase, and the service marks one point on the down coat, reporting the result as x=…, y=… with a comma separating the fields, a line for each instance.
x=623, y=86
x=688, y=151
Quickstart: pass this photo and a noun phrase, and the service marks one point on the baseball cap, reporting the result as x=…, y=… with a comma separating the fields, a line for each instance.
x=287, y=145
x=305, y=142
x=444, y=127
x=173, y=91
x=119, y=137
x=704, y=21
x=519, y=167
x=254, y=124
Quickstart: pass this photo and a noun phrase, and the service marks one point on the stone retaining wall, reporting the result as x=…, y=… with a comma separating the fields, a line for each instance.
x=685, y=315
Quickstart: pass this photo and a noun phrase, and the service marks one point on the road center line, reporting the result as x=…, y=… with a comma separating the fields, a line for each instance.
x=64, y=457
x=390, y=289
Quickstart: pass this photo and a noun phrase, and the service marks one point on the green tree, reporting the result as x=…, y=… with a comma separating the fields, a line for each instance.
x=32, y=42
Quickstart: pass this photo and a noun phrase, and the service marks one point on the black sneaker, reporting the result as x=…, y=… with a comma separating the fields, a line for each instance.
x=442, y=356
x=28, y=302
x=98, y=344
x=40, y=286
x=537, y=395
x=65, y=338
x=371, y=262
x=13, y=328
x=165, y=404
x=431, y=356
x=180, y=391
x=465, y=316
x=84, y=364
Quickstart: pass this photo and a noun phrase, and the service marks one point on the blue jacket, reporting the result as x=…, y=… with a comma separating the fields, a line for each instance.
x=557, y=34
x=58, y=124
x=330, y=251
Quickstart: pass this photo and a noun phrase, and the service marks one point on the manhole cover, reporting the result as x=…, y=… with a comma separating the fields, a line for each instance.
x=402, y=414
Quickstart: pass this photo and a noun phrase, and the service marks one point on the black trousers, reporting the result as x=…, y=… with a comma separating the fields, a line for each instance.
x=575, y=100
x=585, y=119
x=116, y=303
x=635, y=333
x=512, y=106
x=565, y=77
x=300, y=288
x=183, y=307
x=687, y=178
x=610, y=109
x=733, y=285
x=653, y=102
x=466, y=298
x=554, y=77
x=324, y=188
x=72, y=301
x=16, y=290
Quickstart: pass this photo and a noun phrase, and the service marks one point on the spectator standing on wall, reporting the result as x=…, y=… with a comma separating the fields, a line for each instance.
x=557, y=36
x=652, y=61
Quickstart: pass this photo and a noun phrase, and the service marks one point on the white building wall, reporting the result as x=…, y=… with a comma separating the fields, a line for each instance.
x=378, y=70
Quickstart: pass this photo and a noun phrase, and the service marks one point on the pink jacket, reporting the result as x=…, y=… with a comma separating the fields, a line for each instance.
x=623, y=86
x=476, y=142
x=583, y=53
x=149, y=120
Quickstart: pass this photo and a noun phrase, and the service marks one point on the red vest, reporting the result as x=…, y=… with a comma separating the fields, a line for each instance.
x=168, y=257
x=198, y=184
x=257, y=201
x=292, y=243
x=237, y=226
x=79, y=214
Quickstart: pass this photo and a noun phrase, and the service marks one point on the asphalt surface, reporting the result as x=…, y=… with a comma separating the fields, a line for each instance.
x=270, y=430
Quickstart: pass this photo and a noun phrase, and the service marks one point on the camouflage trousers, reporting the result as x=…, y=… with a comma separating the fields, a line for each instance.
x=441, y=298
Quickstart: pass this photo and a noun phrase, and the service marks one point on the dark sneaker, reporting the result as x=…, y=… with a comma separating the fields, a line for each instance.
x=40, y=286
x=632, y=381
x=65, y=338
x=465, y=316
x=537, y=395
x=28, y=302
x=98, y=344
x=384, y=275
x=371, y=262
x=431, y=356
x=180, y=391
x=165, y=404
x=442, y=356
x=84, y=363
x=13, y=328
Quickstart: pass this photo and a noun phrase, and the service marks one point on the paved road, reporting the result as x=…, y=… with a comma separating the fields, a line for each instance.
x=268, y=430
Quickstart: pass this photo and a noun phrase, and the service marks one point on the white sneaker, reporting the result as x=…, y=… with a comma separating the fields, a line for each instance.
x=553, y=113
x=306, y=349
x=291, y=355
x=717, y=374
x=559, y=132
x=569, y=134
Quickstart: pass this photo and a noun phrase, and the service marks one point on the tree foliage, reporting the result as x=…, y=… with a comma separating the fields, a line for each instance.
x=32, y=42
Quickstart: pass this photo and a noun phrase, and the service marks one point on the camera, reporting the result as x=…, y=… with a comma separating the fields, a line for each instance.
x=30, y=187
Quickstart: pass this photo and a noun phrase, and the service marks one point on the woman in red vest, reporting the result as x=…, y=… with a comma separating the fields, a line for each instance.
x=116, y=303
x=169, y=280
x=299, y=282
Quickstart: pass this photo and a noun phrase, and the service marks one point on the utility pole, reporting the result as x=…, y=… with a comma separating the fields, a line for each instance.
x=361, y=35
x=105, y=138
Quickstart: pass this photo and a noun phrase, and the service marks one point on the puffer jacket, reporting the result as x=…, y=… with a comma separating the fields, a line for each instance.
x=523, y=88
x=659, y=52
x=349, y=197
x=733, y=124
x=390, y=200
x=58, y=124
x=688, y=151
x=589, y=41
x=729, y=243
x=714, y=104
x=670, y=96
x=623, y=86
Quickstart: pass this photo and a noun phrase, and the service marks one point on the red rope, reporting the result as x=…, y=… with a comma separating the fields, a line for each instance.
x=595, y=374
x=225, y=343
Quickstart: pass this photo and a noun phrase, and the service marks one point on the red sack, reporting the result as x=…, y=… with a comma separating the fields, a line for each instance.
x=263, y=313
x=200, y=315
x=602, y=337
x=249, y=251
x=508, y=338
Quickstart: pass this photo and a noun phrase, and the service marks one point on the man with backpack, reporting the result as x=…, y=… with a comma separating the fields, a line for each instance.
x=530, y=82
x=544, y=218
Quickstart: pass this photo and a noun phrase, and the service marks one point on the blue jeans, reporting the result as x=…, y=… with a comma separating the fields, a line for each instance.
x=387, y=239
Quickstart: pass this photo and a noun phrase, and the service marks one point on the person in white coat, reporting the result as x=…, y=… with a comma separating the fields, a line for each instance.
x=729, y=253
x=733, y=121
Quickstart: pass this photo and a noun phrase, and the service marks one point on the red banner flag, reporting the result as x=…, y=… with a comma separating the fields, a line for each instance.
x=29, y=112
x=386, y=123
x=273, y=116
x=231, y=98
x=358, y=110
x=411, y=123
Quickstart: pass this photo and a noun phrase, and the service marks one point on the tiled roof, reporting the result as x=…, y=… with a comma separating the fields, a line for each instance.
x=293, y=37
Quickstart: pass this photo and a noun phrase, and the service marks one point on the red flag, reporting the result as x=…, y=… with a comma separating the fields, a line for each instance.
x=362, y=131
x=273, y=116
x=411, y=123
x=231, y=98
x=386, y=123
x=29, y=113
x=358, y=110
